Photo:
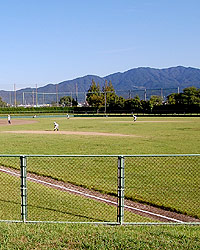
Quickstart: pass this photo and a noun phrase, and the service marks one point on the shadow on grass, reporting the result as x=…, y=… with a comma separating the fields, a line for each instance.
x=65, y=212
x=54, y=210
x=9, y=201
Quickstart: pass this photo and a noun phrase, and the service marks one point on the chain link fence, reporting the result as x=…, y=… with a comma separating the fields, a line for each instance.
x=38, y=98
x=100, y=189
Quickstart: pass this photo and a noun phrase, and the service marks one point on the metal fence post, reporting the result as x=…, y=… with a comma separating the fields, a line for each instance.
x=121, y=181
x=23, y=189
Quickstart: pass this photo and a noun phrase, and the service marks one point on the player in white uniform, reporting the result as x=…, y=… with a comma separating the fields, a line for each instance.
x=134, y=118
x=56, y=126
x=9, y=119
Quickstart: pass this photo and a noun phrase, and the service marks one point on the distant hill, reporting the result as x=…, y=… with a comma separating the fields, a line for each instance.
x=131, y=80
x=156, y=78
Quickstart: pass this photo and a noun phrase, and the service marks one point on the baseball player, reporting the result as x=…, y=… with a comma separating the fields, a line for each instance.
x=56, y=126
x=134, y=118
x=9, y=119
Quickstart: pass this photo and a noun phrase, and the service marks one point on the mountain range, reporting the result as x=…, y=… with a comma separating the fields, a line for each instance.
x=134, y=79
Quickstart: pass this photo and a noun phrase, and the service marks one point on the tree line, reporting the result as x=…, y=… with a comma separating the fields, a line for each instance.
x=107, y=98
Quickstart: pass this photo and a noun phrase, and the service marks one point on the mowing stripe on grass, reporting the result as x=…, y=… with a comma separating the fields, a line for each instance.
x=91, y=196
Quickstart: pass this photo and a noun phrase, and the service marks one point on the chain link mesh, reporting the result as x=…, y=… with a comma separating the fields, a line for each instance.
x=10, y=200
x=170, y=183
x=85, y=188
x=69, y=188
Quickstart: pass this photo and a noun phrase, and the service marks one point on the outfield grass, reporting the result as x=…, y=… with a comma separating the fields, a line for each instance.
x=49, y=236
x=178, y=135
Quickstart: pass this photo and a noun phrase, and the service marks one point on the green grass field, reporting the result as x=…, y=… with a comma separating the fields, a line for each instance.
x=172, y=182
x=147, y=180
x=171, y=136
x=53, y=205
x=153, y=136
x=49, y=236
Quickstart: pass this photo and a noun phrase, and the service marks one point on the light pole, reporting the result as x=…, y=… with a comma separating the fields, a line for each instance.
x=105, y=102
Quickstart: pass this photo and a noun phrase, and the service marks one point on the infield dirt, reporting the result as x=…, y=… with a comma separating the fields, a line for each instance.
x=68, y=133
x=4, y=122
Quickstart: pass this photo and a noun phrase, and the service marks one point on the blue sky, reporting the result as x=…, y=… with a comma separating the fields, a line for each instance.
x=48, y=41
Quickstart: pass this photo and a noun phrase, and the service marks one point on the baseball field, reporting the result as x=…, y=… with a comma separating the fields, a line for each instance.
x=101, y=136
x=170, y=135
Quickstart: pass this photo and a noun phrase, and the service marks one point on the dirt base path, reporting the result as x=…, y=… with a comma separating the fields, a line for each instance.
x=134, y=207
x=166, y=121
x=67, y=133
x=4, y=122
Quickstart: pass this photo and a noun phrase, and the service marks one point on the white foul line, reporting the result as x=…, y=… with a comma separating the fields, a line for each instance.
x=92, y=196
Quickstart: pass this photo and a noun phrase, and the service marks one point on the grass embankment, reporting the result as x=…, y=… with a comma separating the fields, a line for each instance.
x=50, y=236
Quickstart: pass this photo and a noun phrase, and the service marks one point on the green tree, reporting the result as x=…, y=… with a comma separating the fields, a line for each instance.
x=146, y=106
x=67, y=101
x=2, y=103
x=133, y=104
x=94, y=97
x=172, y=99
x=190, y=96
x=137, y=103
x=109, y=95
x=156, y=100
x=119, y=102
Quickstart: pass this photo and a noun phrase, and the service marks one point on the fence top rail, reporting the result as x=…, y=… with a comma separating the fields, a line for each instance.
x=147, y=155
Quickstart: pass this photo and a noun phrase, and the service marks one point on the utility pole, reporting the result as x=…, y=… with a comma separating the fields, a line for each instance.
x=129, y=94
x=10, y=98
x=105, y=101
x=161, y=93
x=15, y=94
x=33, y=97
x=85, y=97
x=36, y=97
x=76, y=92
x=43, y=99
x=145, y=95
x=57, y=94
x=23, y=98
x=105, y=96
